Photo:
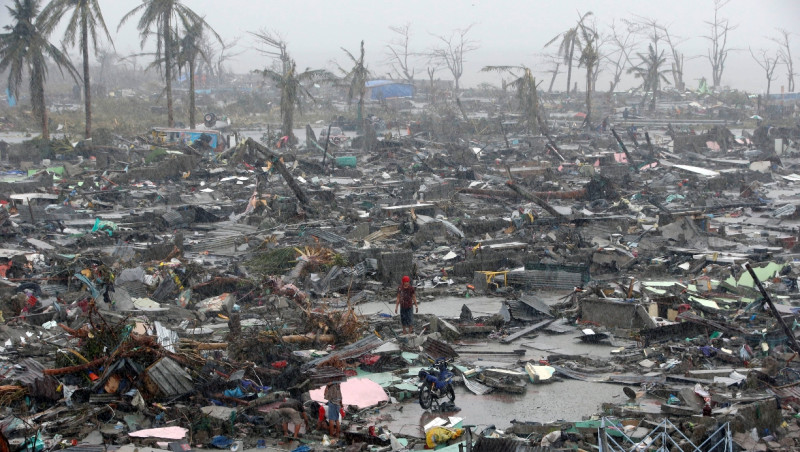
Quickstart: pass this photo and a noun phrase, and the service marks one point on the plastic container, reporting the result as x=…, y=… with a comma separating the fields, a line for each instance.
x=346, y=161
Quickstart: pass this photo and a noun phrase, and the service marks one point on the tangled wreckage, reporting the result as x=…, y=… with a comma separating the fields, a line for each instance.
x=173, y=295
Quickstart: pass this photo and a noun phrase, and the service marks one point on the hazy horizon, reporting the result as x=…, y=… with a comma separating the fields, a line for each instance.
x=506, y=33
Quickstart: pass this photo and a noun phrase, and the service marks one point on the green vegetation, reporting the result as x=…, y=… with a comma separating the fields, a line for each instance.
x=273, y=262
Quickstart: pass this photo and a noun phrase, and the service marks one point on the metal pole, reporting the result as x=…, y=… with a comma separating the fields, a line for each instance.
x=788, y=331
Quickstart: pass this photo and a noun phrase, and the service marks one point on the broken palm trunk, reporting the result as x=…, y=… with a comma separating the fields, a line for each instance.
x=539, y=201
x=624, y=149
x=767, y=299
x=278, y=163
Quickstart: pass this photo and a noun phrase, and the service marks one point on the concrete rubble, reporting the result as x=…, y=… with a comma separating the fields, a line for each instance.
x=175, y=296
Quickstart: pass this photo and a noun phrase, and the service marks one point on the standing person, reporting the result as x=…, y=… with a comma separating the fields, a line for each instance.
x=333, y=394
x=407, y=301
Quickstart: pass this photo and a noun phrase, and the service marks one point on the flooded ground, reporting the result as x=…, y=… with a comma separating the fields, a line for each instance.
x=568, y=400
x=563, y=399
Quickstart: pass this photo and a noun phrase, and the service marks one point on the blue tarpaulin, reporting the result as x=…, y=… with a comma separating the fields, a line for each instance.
x=12, y=101
x=387, y=89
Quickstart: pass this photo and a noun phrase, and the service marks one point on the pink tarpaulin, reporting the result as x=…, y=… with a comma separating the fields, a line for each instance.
x=164, y=432
x=620, y=157
x=359, y=392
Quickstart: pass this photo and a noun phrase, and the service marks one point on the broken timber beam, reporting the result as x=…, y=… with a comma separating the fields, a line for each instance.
x=767, y=299
x=624, y=148
x=526, y=330
x=539, y=201
x=278, y=164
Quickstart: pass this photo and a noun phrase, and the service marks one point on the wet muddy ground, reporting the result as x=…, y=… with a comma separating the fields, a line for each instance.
x=563, y=399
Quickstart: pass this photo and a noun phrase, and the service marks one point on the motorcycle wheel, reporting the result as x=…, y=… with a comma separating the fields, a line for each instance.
x=425, y=397
x=450, y=393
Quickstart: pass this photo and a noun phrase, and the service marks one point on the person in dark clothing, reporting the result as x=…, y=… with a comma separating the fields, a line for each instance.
x=407, y=301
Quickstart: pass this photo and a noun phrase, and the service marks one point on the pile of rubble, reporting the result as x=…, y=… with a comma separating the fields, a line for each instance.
x=180, y=296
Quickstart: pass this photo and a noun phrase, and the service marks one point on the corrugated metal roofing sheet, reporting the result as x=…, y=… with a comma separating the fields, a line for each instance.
x=438, y=349
x=327, y=236
x=30, y=373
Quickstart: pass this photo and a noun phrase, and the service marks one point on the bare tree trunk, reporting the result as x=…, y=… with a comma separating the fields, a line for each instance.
x=569, y=66
x=362, y=120
x=553, y=78
x=87, y=92
x=533, y=122
x=431, y=72
x=588, y=96
x=37, y=100
x=45, y=131
x=298, y=269
x=168, y=70
x=192, y=121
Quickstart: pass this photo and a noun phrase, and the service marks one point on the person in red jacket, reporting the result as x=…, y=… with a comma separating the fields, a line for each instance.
x=407, y=301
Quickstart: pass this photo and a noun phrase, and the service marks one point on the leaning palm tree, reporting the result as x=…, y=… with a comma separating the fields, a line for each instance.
x=86, y=16
x=158, y=19
x=649, y=70
x=566, y=48
x=356, y=81
x=24, y=48
x=527, y=95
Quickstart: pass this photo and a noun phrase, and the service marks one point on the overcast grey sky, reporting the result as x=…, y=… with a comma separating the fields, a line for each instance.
x=507, y=32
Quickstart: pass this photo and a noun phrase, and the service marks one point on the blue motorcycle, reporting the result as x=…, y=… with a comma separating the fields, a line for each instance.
x=436, y=383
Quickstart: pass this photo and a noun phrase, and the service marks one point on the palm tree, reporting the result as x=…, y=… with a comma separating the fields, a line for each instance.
x=24, y=47
x=86, y=15
x=356, y=80
x=158, y=18
x=526, y=93
x=190, y=50
x=566, y=49
x=293, y=87
x=649, y=70
x=589, y=58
